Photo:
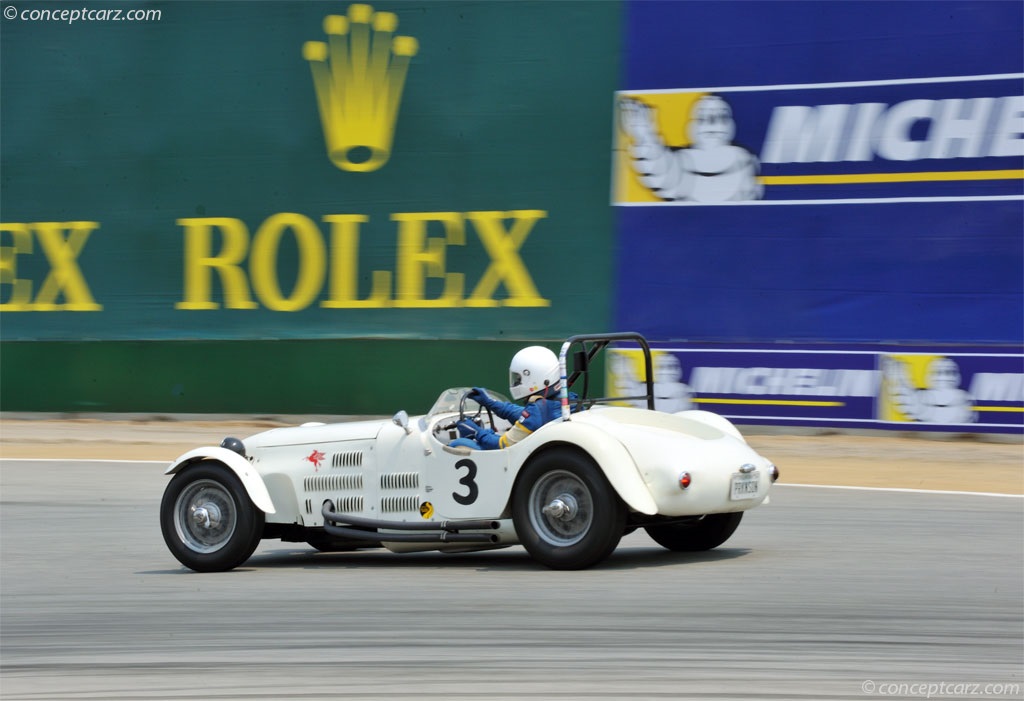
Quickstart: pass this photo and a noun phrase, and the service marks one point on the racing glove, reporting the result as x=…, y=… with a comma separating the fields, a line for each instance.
x=468, y=428
x=488, y=439
x=480, y=396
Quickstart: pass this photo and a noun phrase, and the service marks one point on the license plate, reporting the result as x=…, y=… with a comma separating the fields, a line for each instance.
x=744, y=486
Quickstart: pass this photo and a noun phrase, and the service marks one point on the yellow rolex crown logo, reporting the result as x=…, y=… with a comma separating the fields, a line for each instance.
x=358, y=75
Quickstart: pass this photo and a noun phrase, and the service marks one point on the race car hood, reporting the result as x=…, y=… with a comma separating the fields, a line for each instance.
x=315, y=433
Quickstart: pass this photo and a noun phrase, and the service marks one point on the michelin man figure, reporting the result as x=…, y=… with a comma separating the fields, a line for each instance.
x=941, y=402
x=711, y=169
x=671, y=394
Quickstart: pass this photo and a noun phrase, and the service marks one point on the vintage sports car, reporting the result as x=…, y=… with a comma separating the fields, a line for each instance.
x=568, y=492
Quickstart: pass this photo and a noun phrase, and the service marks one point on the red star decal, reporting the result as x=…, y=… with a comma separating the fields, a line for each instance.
x=315, y=457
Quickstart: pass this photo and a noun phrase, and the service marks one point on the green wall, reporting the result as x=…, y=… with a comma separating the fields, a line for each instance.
x=351, y=376
x=180, y=228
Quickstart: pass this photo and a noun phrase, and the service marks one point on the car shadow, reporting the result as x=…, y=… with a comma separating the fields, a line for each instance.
x=511, y=560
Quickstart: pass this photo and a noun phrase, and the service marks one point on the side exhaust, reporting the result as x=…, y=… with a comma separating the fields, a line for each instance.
x=359, y=528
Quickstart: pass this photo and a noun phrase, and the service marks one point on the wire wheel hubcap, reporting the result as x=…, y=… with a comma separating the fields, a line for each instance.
x=561, y=508
x=205, y=516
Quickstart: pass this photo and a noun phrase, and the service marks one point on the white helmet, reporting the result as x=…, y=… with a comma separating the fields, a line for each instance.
x=532, y=370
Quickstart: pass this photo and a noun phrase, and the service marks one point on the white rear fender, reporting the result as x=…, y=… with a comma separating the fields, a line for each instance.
x=711, y=419
x=611, y=456
x=250, y=479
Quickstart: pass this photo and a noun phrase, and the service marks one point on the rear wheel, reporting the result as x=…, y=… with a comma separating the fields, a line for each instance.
x=565, y=513
x=208, y=520
x=691, y=536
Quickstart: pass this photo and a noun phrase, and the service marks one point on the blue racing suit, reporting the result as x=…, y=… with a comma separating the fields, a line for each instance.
x=538, y=411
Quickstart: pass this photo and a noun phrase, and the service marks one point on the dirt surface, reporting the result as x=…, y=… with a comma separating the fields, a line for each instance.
x=895, y=461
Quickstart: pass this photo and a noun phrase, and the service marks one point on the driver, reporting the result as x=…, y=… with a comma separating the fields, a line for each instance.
x=534, y=375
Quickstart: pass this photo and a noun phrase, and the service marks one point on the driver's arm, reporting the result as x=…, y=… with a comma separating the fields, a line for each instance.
x=489, y=440
x=527, y=421
x=506, y=410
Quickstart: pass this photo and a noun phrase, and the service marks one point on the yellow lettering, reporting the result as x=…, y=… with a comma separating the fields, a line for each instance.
x=506, y=265
x=21, y=290
x=420, y=257
x=65, y=275
x=343, y=292
x=199, y=262
x=421, y=277
x=263, y=262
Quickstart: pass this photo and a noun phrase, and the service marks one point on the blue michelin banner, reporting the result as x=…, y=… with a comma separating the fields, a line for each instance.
x=821, y=172
x=859, y=142
x=901, y=388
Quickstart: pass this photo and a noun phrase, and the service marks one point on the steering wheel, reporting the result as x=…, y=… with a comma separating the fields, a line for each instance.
x=479, y=411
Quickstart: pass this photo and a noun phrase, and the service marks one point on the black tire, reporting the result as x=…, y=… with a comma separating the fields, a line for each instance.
x=208, y=520
x=705, y=534
x=593, y=516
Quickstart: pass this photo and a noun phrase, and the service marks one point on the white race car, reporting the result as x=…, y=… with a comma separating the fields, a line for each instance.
x=568, y=492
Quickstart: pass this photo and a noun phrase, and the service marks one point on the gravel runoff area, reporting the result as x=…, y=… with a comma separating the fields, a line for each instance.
x=945, y=462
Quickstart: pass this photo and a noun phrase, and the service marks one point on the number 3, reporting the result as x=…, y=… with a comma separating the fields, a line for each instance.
x=467, y=481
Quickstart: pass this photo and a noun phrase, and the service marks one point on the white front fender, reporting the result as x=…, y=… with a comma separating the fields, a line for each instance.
x=251, y=479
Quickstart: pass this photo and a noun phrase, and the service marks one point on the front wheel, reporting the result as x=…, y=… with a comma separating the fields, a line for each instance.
x=565, y=513
x=208, y=520
x=692, y=536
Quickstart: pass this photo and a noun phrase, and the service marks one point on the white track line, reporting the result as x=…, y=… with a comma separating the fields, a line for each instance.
x=785, y=484
x=154, y=462
x=903, y=490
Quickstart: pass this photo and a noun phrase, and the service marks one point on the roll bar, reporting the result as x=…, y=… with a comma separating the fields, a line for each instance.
x=592, y=344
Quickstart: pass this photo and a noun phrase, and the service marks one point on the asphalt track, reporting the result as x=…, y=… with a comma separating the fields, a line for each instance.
x=823, y=594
